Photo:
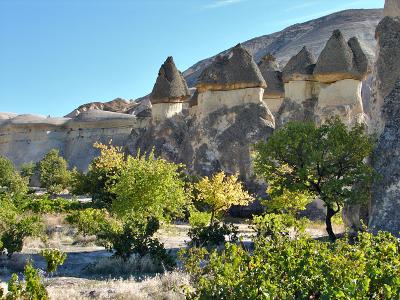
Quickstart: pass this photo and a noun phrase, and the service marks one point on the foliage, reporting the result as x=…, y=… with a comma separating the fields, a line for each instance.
x=27, y=170
x=54, y=258
x=126, y=236
x=80, y=184
x=274, y=226
x=213, y=234
x=10, y=181
x=221, y=192
x=54, y=175
x=286, y=201
x=33, y=289
x=326, y=161
x=298, y=268
x=44, y=205
x=15, y=226
x=103, y=174
x=199, y=218
x=150, y=187
x=89, y=221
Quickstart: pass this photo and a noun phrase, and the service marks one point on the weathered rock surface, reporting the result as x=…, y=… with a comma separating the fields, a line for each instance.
x=385, y=205
x=26, y=138
x=387, y=67
x=236, y=70
x=338, y=61
x=170, y=86
x=300, y=67
x=392, y=8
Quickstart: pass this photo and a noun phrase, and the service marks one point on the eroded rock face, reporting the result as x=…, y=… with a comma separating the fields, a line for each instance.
x=222, y=140
x=387, y=68
x=385, y=204
x=392, y=8
x=26, y=138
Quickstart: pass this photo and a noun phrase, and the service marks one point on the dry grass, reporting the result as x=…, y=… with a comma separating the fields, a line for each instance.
x=116, y=267
x=167, y=286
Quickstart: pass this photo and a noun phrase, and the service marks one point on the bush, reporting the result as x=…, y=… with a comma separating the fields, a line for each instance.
x=33, y=289
x=27, y=170
x=44, y=205
x=298, y=268
x=125, y=237
x=54, y=175
x=212, y=235
x=15, y=226
x=54, y=258
x=11, y=182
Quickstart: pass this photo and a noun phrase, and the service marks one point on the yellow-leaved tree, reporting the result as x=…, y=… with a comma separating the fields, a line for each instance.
x=220, y=193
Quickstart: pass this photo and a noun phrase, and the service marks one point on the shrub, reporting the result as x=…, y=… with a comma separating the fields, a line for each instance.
x=298, y=268
x=27, y=170
x=33, y=289
x=212, y=235
x=54, y=175
x=125, y=237
x=11, y=182
x=15, y=226
x=44, y=205
x=54, y=258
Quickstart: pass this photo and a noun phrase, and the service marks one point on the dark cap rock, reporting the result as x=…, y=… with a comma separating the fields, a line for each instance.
x=170, y=86
x=237, y=70
x=341, y=60
x=300, y=66
x=273, y=77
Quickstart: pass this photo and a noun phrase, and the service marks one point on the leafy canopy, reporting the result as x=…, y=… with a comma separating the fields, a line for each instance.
x=11, y=182
x=327, y=161
x=54, y=174
x=149, y=187
x=221, y=192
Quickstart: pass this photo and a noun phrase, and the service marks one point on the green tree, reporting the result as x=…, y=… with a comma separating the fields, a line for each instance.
x=27, y=170
x=10, y=181
x=103, y=174
x=54, y=174
x=54, y=258
x=150, y=187
x=327, y=161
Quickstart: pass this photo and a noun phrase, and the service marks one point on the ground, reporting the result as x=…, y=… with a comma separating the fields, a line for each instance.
x=90, y=273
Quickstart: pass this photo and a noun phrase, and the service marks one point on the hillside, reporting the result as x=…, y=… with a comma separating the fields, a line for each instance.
x=313, y=34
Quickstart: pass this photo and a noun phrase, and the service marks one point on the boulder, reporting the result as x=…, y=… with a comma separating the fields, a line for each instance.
x=299, y=67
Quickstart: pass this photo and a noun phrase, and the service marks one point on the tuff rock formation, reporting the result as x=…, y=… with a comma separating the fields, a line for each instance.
x=274, y=93
x=385, y=202
x=387, y=67
x=385, y=206
x=169, y=92
x=392, y=8
x=226, y=116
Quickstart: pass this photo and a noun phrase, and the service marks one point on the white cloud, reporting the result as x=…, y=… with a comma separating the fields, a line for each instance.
x=221, y=3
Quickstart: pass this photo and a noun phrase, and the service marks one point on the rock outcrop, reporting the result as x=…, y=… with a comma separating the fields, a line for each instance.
x=385, y=206
x=169, y=92
x=392, y=8
x=387, y=67
x=340, y=70
x=26, y=138
x=226, y=116
x=385, y=201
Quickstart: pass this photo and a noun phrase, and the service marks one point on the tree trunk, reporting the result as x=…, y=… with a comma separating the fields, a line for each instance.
x=330, y=212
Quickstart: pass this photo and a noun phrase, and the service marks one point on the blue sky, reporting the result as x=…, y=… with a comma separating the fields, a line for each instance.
x=58, y=54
